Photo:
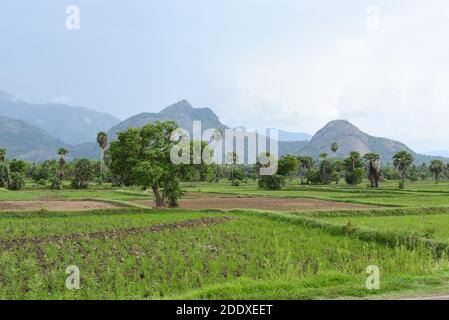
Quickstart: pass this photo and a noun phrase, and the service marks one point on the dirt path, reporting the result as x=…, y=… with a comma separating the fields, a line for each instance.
x=55, y=205
x=229, y=202
x=115, y=233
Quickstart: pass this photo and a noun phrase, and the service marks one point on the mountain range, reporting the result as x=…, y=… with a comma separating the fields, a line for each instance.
x=73, y=125
x=35, y=131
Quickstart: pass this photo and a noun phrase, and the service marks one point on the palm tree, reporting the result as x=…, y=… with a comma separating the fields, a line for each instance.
x=436, y=167
x=217, y=138
x=62, y=152
x=305, y=163
x=402, y=161
x=233, y=158
x=373, y=168
x=334, y=147
x=102, y=140
x=353, y=157
x=323, y=157
x=2, y=155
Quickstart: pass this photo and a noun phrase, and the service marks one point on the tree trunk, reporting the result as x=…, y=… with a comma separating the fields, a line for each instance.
x=102, y=160
x=160, y=202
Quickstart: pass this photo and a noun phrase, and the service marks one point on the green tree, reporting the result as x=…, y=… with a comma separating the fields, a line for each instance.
x=402, y=161
x=423, y=171
x=17, y=166
x=334, y=147
x=43, y=172
x=305, y=165
x=2, y=155
x=196, y=172
x=102, y=140
x=125, y=153
x=232, y=160
x=325, y=169
x=57, y=182
x=354, y=168
x=337, y=167
x=142, y=156
x=288, y=166
x=4, y=170
x=83, y=174
x=373, y=168
x=4, y=174
x=218, y=137
x=17, y=172
x=437, y=168
x=272, y=182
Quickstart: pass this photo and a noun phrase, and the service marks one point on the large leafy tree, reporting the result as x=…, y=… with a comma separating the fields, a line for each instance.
x=142, y=157
x=124, y=154
x=102, y=140
x=373, y=168
x=402, y=161
x=437, y=168
x=288, y=165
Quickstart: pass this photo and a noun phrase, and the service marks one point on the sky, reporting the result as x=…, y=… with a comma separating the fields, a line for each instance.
x=290, y=64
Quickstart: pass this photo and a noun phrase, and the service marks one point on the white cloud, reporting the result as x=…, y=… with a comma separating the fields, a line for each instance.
x=393, y=82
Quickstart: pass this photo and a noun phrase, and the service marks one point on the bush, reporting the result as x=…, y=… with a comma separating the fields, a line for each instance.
x=42, y=182
x=401, y=184
x=273, y=182
x=83, y=174
x=4, y=175
x=56, y=183
x=355, y=177
x=314, y=176
x=237, y=176
x=16, y=181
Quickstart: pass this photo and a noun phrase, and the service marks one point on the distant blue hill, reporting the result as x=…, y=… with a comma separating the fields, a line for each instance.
x=72, y=125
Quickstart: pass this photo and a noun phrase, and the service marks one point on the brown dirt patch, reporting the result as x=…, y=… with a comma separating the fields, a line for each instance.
x=116, y=233
x=259, y=203
x=55, y=205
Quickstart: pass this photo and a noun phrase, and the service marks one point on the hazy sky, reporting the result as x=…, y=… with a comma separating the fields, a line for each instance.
x=292, y=64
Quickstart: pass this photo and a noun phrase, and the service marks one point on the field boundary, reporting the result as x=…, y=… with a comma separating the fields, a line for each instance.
x=377, y=212
x=390, y=239
x=117, y=233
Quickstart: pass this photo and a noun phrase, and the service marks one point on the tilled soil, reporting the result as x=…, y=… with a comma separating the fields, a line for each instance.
x=274, y=204
x=115, y=233
x=55, y=205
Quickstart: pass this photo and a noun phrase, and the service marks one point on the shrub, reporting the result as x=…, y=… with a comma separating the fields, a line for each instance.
x=4, y=175
x=56, y=183
x=237, y=176
x=355, y=177
x=273, y=182
x=83, y=174
x=16, y=181
x=314, y=176
x=42, y=182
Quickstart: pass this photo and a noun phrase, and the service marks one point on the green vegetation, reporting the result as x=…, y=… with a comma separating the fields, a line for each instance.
x=277, y=259
x=128, y=251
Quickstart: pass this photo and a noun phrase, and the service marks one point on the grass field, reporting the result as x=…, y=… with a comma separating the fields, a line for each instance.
x=133, y=252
